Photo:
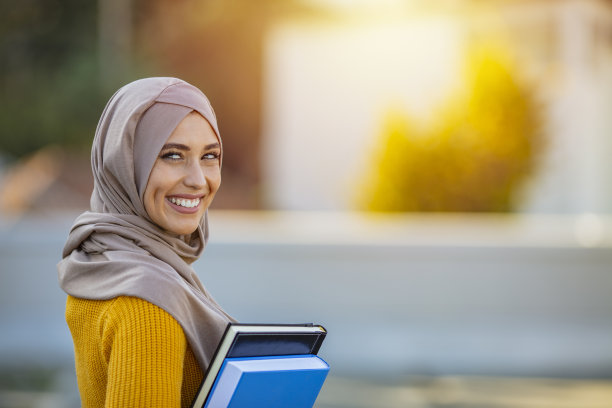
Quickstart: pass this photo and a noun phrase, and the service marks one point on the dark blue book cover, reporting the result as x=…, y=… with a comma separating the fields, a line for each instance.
x=270, y=382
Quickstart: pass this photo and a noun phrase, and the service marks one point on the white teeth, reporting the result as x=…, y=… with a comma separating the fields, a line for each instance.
x=184, y=202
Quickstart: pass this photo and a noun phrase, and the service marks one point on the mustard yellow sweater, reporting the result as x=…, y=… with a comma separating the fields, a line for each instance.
x=130, y=353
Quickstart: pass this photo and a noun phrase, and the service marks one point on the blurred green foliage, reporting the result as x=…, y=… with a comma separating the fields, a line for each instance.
x=476, y=153
x=50, y=91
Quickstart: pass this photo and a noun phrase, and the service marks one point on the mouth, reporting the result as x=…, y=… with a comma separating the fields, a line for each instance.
x=183, y=204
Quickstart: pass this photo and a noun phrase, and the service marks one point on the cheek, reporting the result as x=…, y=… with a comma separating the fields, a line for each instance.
x=214, y=179
x=149, y=202
x=154, y=192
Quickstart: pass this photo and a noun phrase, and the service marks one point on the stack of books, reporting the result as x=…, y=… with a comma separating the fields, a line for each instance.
x=269, y=366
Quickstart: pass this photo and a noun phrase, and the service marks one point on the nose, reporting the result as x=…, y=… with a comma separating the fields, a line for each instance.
x=195, y=177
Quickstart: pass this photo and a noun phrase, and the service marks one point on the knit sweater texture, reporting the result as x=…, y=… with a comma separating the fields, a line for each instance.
x=130, y=353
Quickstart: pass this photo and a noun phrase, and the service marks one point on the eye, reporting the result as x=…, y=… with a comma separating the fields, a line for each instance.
x=211, y=156
x=171, y=156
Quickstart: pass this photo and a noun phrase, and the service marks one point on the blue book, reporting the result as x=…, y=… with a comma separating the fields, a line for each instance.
x=268, y=382
x=283, y=342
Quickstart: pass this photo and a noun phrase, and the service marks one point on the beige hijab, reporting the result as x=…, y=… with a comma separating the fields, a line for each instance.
x=115, y=249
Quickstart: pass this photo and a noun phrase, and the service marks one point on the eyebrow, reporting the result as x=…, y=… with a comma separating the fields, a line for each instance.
x=212, y=146
x=177, y=146
x=180, y=146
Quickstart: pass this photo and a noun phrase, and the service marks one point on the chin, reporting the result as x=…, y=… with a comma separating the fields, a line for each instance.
x=184, y=231
x=184, y=228
x=181, y=224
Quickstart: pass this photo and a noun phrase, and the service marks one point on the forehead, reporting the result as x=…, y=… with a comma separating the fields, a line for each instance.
x=193, y=130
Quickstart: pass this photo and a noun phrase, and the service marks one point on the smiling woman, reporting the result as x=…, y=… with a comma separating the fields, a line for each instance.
x=185, y=176
x=143, y=325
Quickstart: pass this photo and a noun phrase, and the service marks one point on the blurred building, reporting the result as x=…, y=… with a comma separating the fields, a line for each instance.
x=328, y=83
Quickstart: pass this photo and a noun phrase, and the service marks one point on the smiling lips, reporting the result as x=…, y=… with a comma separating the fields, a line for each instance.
x=183, y=204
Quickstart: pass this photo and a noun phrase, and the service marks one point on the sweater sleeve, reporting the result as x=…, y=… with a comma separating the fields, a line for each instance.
x=145, y=349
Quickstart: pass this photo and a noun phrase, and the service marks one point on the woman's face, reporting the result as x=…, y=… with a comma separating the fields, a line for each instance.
x=185, y=176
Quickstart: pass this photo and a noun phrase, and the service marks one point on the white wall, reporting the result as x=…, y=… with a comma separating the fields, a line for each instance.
x=576, y=173
x=326, y=89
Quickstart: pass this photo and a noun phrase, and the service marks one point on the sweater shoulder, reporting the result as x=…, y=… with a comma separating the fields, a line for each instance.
x=125, y=307
x=133, y=309
x=123, y=314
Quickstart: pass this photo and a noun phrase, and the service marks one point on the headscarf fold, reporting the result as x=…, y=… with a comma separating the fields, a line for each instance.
x=115, y=249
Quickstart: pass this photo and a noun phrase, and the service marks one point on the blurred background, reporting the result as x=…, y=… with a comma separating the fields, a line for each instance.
x=430, y=180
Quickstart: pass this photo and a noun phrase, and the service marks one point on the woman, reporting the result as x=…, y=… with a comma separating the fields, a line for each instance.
x=143, y=325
